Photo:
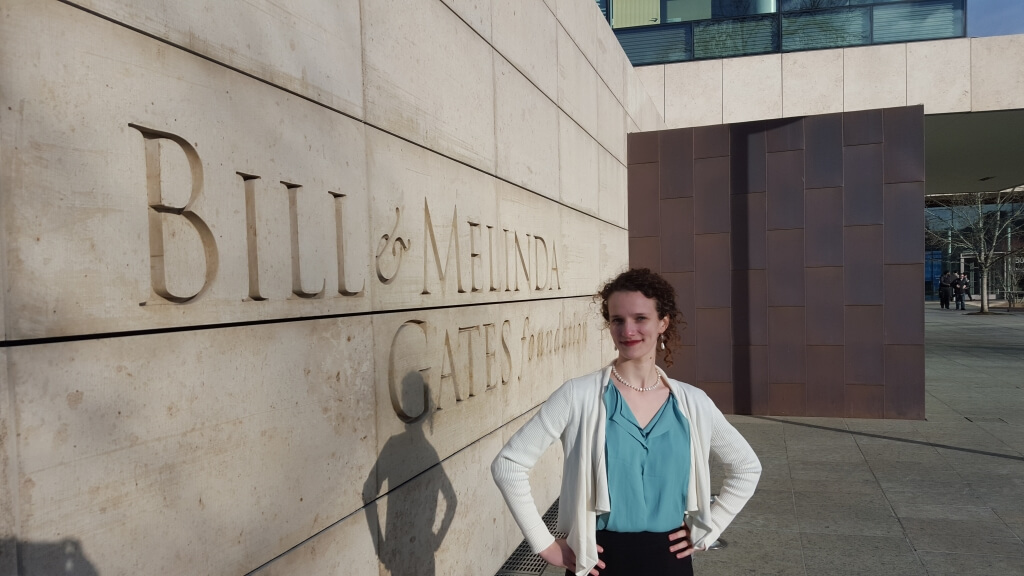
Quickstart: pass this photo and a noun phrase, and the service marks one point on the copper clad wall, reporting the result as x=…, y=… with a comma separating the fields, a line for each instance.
x=796, y=248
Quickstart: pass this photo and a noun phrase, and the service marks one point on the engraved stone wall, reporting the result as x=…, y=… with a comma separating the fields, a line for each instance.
x=280, y=278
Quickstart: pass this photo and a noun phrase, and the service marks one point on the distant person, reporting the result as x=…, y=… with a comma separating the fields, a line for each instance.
x=958, y=291
x=945, y=290
x=967, y=286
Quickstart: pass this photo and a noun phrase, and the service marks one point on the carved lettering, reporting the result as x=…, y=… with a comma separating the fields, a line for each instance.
x=339, y=228
x=249, y=181
x=469, y=332
x=413, y=381
x=399, y=246
x=159, y=210
x=430, y=240
x=448, y=373
x=506, y=367
x=459, y=359
x=506, y=259
x=494, y=261
x=538, y=244
x=525, y=261
x=293, y=218
x=474, y=255
x=556, y=284
x=490, y=356
x=515, y=260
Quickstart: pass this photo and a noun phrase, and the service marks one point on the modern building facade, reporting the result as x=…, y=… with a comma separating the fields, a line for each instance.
x=664, y=31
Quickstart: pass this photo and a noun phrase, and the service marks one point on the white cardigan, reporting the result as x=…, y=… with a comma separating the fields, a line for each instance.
x=575, y=413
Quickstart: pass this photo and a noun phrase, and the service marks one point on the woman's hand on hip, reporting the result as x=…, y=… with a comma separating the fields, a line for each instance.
x=560, y=554
x=681, y=545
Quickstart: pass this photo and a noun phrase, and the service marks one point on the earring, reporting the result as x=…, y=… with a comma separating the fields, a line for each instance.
x=661, y=337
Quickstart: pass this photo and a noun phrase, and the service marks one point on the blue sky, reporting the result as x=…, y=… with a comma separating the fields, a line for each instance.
x=995, y=17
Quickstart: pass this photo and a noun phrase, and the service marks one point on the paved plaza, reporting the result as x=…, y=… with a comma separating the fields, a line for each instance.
x=936, y=497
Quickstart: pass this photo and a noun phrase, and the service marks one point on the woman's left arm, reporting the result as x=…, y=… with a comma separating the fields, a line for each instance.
x=742, y=470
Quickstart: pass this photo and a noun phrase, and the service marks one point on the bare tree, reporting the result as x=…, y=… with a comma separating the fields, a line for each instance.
x=980, y=223
x=1012, y=279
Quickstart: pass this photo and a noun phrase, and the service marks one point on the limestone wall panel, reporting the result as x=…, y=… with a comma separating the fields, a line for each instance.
x=939, y=75
x=446, y=378
x=418, y=87
x=611, y=126
x=423, y=204
x=541, y=264
x=194, y=452
x=614, y=252
x=417, y=532
x=874, y=77
x=577, y=84
x=634, y=93
x=752, y=88
x=308, y=47
x=612, y=181
x=526, y=131
x=525, y=33
x=812, y=82
x=494, y=254
x=651, y=118
x=997, y=73
x=8, y=471
x=476, y=13
x=653, y=79
x=577, y=157
x=696, y=94
x=582, y=318
x=143, y=161
x=610, y=58
x=577, y=18
x=347, y=547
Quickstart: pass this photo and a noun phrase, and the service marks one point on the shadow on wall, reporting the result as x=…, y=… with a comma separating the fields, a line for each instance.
x=409, y=541
x=62, y=558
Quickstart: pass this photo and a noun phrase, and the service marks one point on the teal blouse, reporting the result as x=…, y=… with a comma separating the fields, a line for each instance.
x=648, y=468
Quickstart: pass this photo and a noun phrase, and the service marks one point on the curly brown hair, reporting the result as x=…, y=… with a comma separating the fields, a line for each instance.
x=652, y=285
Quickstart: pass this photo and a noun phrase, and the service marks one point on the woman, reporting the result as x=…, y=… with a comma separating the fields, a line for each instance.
x=636, y=484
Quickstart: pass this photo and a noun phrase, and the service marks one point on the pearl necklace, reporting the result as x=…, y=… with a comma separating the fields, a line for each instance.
x=638, y=389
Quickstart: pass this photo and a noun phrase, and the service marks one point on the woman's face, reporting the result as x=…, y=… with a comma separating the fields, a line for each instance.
x=634, y=324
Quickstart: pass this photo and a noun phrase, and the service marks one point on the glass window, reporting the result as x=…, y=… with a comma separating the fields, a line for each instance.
x=657, y=45
x=630, y=13
x=734, y=8
x=791, y=5
x=724, y=38
x=826, y=29
x=919, y=21
x=687, y=10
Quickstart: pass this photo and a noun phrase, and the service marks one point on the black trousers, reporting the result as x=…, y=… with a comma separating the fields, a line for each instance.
x=640, y=554
x=945, y=293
